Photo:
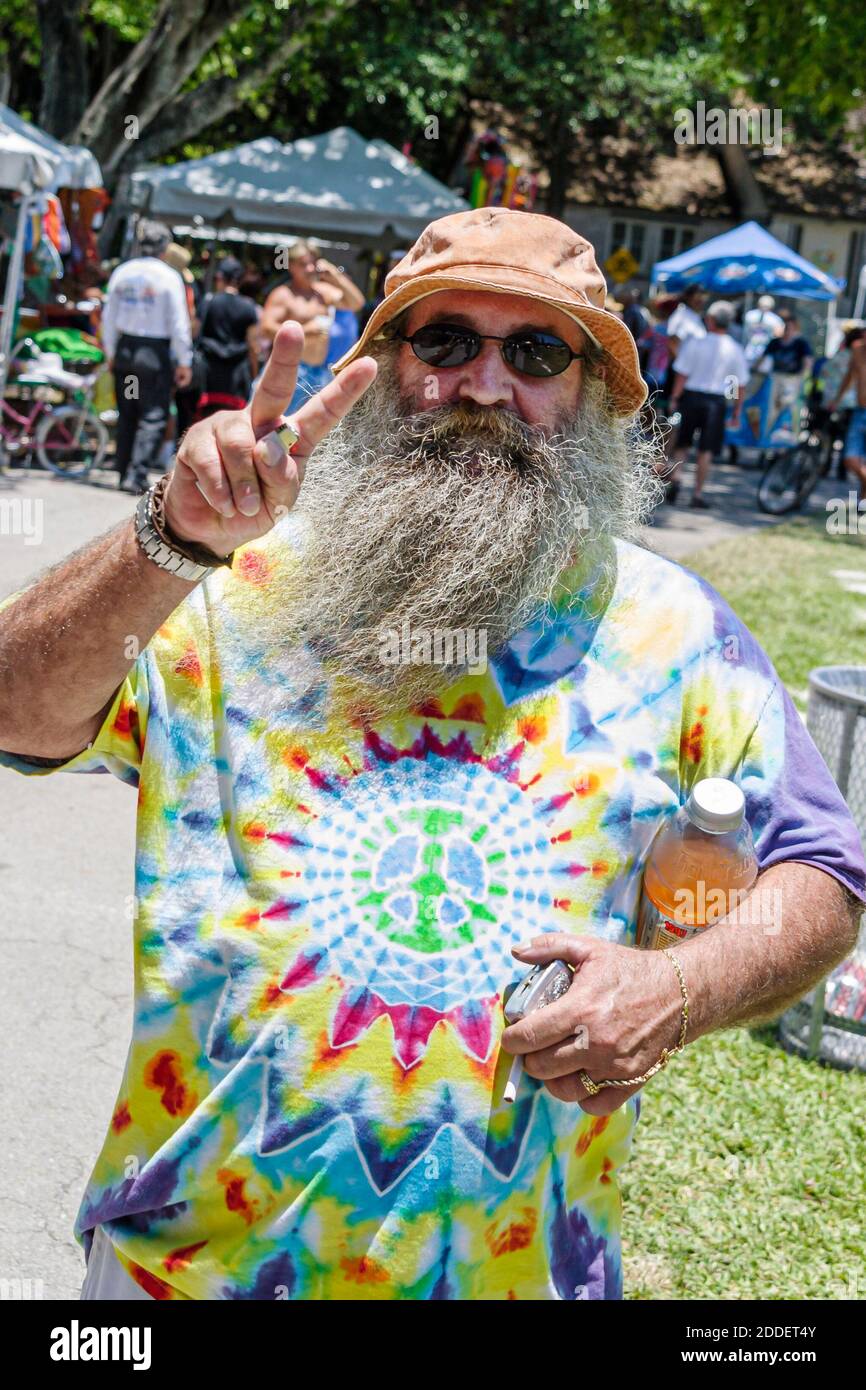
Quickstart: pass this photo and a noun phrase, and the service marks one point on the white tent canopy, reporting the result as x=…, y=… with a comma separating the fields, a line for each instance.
x=335, y=185
x=24, y=167
x=72, y=166
x=31, y=163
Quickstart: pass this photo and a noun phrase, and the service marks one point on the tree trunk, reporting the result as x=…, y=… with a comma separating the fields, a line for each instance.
x=64, y=66
x=744, y=191
x=558, y=173
x=140, y=111
x=150, y=76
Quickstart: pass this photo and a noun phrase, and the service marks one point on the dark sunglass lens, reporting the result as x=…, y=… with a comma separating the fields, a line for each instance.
x=537, y=355
x=441, y=346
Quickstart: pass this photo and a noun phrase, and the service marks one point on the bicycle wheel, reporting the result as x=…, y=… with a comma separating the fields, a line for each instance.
x=70, y=441
x=812, y=468
x=779, y=488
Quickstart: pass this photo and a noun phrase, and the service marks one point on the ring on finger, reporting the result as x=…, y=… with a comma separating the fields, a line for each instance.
x=281, y=441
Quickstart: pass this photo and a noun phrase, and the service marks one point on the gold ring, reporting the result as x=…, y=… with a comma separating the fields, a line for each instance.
x=588, y=1083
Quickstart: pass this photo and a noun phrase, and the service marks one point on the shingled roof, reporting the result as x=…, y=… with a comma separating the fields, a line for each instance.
x=627, y=171
x=804, y=179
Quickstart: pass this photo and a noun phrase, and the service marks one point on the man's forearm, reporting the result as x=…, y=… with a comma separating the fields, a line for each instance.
x=795, y=925
x=68, y=641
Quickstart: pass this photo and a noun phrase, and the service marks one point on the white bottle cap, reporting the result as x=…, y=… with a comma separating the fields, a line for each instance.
x=716, y=805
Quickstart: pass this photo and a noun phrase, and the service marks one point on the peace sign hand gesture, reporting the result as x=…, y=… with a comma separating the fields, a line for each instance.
x=225, y=488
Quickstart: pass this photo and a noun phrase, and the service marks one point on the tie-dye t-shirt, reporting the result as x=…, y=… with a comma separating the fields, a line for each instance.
x=311, y=1105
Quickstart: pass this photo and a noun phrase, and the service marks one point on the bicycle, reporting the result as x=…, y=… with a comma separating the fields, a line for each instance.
x=792, y=475
x=68, y=439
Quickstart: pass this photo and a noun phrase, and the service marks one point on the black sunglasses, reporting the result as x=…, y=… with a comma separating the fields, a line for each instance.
x=451, y=345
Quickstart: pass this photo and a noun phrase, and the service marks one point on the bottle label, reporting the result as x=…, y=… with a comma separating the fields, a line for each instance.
x=655, y=931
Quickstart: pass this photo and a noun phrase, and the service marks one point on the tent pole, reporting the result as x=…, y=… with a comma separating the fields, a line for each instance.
x=10, y=298
x=831, y=318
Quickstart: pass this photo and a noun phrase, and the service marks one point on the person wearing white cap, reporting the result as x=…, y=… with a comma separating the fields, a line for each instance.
x=147, y=337
x=708, y=373
x=760, y=326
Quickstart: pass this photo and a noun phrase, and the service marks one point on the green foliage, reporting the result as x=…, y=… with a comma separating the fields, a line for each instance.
x=560, y=71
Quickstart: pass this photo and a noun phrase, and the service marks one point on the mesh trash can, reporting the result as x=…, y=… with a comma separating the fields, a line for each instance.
x=830, y=1022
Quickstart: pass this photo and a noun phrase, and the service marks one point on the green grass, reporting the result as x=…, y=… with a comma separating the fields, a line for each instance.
x=781, y=583
x=747, y=1178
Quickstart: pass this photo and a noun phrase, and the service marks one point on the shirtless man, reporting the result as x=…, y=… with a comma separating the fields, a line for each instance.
x=315, y=287
x=855, y=439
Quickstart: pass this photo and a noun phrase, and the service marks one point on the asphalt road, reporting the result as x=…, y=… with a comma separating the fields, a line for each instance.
x=66, y=875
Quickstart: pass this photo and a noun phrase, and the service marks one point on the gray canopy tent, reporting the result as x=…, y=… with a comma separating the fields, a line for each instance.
x=337, y=186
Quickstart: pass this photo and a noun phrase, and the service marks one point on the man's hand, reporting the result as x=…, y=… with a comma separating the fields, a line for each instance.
x=182, y=377
x=224, y=491
x=624, y=1006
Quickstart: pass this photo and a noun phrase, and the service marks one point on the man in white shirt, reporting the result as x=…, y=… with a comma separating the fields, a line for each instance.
x=760, y=327
x=686, y=322
x=145, y=327
x=708, y=372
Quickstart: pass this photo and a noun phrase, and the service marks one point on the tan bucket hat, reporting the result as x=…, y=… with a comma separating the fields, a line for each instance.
x=510, y=252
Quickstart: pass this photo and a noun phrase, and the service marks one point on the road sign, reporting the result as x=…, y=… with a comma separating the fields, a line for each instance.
x=621, y=265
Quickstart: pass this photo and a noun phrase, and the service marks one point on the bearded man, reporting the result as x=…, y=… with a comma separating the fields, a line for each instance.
x=354, y=837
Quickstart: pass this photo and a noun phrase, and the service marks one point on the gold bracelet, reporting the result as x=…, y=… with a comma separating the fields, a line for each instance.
x=593, y=1087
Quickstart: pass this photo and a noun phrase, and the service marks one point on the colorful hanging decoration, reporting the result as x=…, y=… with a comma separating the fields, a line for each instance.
x=496, y=181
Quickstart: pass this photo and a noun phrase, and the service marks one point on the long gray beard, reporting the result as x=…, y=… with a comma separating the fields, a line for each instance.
x=451, y=527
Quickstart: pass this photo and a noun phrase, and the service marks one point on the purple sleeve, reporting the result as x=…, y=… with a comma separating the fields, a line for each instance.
x=793, y=805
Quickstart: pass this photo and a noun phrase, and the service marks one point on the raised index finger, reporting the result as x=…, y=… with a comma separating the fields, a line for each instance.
x=277, y=386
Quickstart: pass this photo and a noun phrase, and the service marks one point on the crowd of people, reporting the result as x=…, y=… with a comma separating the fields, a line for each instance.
x=701, y=362
x=165, y=337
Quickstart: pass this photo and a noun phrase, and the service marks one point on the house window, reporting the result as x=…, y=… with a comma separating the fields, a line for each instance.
x=631, y=236
x=674, y=240
x=795, y=236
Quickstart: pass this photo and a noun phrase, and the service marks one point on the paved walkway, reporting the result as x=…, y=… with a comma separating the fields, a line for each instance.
x=66, y=879
x=679, y=531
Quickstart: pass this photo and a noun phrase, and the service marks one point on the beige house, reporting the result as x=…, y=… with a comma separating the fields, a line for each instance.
x=657, y=205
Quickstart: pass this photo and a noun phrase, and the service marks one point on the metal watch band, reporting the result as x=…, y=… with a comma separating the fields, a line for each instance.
x=156, y=549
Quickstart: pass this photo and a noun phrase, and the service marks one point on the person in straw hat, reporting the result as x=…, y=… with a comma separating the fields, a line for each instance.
x=409, y=705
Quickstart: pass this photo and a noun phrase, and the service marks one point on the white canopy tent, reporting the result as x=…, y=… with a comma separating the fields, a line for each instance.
x=31, y=163
x=25, y=168
x=337, y=185
x=73, y=166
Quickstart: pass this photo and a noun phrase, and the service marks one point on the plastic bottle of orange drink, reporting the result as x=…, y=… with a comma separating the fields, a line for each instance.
x=700, y=868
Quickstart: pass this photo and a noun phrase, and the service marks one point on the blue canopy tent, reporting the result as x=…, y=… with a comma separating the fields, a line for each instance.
x=747, y=259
